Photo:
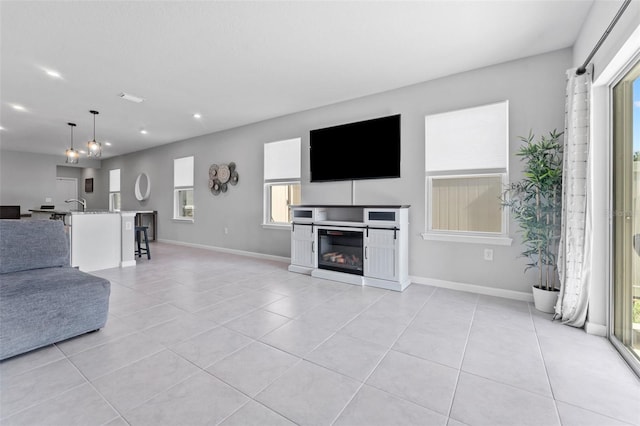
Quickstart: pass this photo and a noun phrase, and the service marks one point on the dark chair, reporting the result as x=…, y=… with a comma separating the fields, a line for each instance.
x=142, y=250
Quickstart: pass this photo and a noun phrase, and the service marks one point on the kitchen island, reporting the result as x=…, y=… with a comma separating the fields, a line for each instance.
x=101, y=239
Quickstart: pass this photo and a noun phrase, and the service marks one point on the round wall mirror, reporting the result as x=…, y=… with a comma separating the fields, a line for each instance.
x=143, y=187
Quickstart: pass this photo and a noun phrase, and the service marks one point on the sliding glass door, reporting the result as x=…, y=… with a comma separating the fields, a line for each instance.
x=626, y=204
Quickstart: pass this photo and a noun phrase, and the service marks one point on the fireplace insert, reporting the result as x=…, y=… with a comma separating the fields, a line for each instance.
x=340, y=250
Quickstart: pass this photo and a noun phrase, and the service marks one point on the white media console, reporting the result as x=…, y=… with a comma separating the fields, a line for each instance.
x=361, y=245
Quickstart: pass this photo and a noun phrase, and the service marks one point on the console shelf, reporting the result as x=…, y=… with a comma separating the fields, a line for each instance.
x=374, y=235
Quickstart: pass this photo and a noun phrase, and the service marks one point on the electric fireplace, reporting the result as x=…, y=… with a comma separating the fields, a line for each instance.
x=340, y=250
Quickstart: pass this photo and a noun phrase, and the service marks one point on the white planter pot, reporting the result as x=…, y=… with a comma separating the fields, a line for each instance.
x=545, y=300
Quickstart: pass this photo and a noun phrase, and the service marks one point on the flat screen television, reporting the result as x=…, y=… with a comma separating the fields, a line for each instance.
x=367, y=149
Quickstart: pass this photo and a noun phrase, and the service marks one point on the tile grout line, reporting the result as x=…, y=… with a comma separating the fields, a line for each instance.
x=168, y=349
x=544, y=363
x=598, y=413
x=121, y=415
x=464, y=351
x=64, y=355
x=35, y=404
x=251, y=398
x=115, y=341
x=333, y=332
x=363, y=382
x=120, y=368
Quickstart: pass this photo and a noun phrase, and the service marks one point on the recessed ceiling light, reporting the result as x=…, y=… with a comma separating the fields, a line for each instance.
x=130, y=97
x=107, y=143
x=18, y=107
x=143, y=131
x=1, y=128
x=52, y=73
x=196, y=115
x=83, y=152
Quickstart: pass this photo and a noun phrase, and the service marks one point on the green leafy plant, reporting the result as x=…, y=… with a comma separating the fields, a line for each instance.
x=535, y=202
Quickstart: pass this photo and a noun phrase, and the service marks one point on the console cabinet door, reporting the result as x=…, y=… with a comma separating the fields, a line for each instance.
x=381, y=247
x=303, y=246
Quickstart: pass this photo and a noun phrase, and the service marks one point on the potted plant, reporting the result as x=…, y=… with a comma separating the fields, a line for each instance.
x=536, y=204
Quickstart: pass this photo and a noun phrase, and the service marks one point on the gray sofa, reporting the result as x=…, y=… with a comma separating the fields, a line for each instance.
x=43, y=299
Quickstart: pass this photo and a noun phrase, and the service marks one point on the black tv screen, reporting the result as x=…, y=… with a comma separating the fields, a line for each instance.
x=363, y=150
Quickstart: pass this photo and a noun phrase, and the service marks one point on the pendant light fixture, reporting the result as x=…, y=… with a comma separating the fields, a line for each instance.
x=94, y=149
x=72, y=154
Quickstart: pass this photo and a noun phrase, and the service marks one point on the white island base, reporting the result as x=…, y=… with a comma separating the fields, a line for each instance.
x=101, y=240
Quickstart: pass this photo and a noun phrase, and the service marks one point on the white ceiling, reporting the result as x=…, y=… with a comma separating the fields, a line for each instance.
x=238, y=62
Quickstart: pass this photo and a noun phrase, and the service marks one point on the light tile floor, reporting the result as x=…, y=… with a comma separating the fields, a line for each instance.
x=199, y=337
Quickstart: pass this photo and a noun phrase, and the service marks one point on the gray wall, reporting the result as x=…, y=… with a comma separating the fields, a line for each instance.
x=99, y=198
x=96, y=199
x=28, y=179
x=534, y=87
x=70, y=172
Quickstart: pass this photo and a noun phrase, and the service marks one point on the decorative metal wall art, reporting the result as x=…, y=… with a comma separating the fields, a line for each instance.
x=222, y=175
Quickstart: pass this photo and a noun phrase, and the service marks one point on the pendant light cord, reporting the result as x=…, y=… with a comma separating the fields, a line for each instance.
x=72, y=125
x=94, y=123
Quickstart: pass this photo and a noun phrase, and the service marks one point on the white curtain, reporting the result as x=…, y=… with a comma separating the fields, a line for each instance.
x=574, y=254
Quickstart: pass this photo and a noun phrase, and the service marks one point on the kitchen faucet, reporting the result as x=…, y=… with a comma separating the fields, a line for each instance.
x=81, y=201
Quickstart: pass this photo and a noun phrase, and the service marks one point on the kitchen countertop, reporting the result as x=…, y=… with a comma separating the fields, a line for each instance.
x=65, y=212
x=52, y=211
x=94, y=212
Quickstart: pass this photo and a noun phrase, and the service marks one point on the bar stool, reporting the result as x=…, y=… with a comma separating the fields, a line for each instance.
x=142, y=250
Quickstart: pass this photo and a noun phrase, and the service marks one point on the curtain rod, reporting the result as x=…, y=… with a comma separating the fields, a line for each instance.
x=583, y=68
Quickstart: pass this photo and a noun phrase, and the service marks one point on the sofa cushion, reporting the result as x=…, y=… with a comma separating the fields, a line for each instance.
x=44, y=306
x=32, y=244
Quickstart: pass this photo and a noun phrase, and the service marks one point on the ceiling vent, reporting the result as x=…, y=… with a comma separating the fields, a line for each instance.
x=130, y=97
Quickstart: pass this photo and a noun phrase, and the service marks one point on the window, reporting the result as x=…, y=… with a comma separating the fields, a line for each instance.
x=466, y=169
x=183, y=204
x=114, y=190
x=626, y=198
x=466, y=203
x=281, y=180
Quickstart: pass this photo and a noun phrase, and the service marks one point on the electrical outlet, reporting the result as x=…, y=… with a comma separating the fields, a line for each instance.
x=48, y=199
x=127, y=226
x=226, y=230
x=488, y=254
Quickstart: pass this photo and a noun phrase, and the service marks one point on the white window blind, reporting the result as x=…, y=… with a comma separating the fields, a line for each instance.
x=183, y=172
x=468, y=139
x=114, y=180
x=282, y=159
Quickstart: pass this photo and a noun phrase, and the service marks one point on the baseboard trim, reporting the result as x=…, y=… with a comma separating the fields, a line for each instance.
x=595, y=329
x=472, y=288
x=127, y=263
x=230, y=251
x=300, y=269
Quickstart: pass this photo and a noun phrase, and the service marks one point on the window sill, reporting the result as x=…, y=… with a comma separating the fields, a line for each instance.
x=282, y=227
x=471, y=239
x=183, y=220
